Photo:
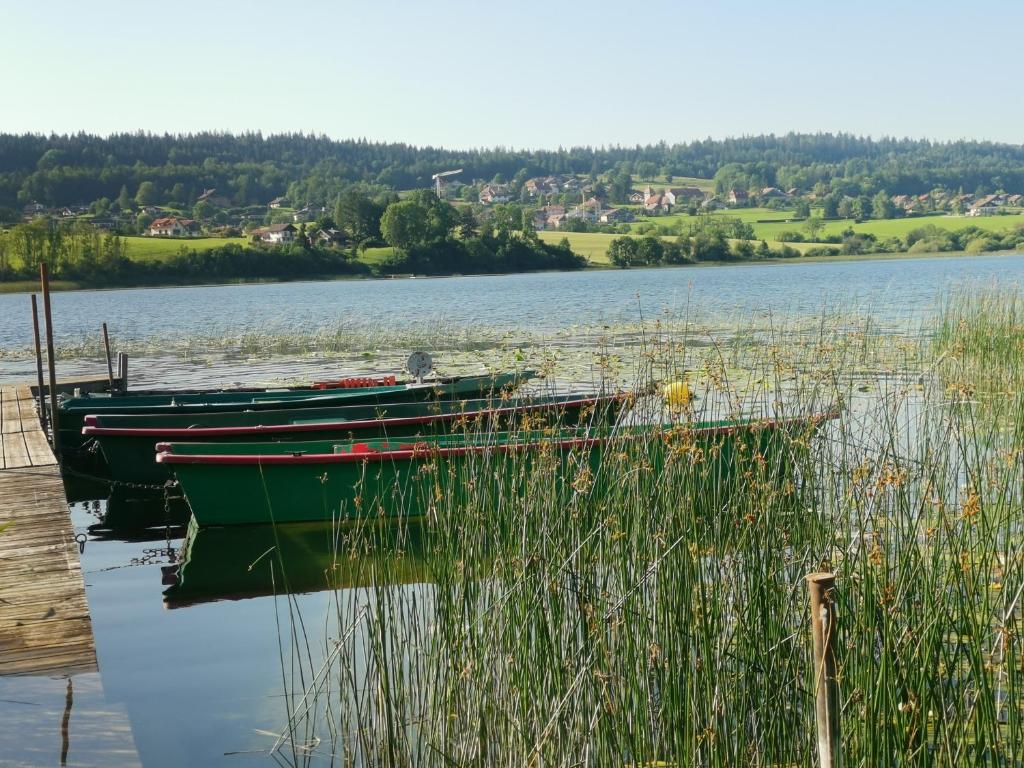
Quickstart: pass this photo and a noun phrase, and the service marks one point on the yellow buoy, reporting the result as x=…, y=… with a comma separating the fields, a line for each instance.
x=677, y=395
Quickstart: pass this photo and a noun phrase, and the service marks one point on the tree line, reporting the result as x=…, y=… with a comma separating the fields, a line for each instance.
x=427, y=236
x=711, y=244
x=86, y=255
x=251, y=168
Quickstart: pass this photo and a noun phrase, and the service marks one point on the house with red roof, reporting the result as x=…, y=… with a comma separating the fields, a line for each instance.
x=172, y=226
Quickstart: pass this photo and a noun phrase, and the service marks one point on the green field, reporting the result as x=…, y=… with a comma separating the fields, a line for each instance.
x=374, y=256
x=594, y=246
x=658, y=182
x=160, y=248
x=881, y=228
x=590, y=245
x=885, y=228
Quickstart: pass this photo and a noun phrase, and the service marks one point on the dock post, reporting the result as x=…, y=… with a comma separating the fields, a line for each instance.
x=40, y=391
x=110, y=364
x=44, y=278
x=821, y=588
x=122, y=371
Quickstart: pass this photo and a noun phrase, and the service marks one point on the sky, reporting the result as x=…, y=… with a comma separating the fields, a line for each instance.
x=524, y=74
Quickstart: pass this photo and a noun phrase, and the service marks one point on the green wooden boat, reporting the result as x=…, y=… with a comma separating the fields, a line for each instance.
x=74, y=410
x=129, y=450
x=250, y=561
x=243, y=483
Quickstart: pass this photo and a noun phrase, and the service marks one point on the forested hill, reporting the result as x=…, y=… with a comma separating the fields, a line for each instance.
x=252, y=168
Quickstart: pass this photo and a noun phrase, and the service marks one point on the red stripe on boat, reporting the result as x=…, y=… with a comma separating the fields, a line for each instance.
x=191, y=433
x=165, y=456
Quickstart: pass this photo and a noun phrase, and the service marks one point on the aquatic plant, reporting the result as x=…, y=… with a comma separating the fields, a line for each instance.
x=643, y=610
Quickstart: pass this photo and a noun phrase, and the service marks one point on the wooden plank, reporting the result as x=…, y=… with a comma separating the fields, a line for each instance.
x=20, y=416
x=15, y=451
x=10, y=413
x=45, y=626
x=24, y=392
x=32, y=608
x=20, y=595
x=38, y=446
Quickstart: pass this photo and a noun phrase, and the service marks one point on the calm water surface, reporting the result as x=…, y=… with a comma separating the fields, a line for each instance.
x=196, y=677
x=889, y=289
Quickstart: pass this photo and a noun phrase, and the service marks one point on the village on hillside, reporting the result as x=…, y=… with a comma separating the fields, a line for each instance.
x=552, y=202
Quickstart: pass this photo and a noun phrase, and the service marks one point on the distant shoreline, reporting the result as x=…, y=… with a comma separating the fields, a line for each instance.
x=30, y=286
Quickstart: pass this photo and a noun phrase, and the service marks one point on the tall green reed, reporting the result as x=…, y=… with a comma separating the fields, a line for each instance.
x=647, y=604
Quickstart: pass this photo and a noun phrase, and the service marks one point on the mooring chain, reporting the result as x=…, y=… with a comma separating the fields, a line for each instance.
x=156, y=556
x=114, y=483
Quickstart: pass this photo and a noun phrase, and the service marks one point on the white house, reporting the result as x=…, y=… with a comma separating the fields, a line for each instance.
x=656, y=204
x=492, y=194
x=615, y=216
x=682, y=195
x=986, y=206
x=277, y=234
x=172, y=226
x=548, y=217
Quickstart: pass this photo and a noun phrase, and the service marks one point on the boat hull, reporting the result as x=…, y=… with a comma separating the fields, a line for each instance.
x=73, y=411
x=129, y=453
x=261, y=483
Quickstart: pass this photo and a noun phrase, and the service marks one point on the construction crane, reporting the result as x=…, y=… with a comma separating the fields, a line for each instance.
x=439, y=179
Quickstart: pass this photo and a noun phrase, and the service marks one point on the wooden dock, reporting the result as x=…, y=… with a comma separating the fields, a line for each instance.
x=45, y=627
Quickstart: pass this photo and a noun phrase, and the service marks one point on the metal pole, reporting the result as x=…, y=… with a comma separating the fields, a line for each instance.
x=821, y=587
x=110, y=364
x=40, y=390
x=44, y=278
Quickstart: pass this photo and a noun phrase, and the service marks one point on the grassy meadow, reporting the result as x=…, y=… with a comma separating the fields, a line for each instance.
x=651, y=608
x=160, y=248
x=375, y=256
x=768, y=224
x=658, y=182
x=886, y=228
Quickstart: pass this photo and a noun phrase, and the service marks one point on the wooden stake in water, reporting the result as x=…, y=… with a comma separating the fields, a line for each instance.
x=821, y=587
x=40, y=390
x=44, y=278
x=110, y=363
x=122, y=371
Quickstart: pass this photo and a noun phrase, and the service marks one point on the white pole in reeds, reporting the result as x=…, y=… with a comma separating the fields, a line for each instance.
x=821, y=587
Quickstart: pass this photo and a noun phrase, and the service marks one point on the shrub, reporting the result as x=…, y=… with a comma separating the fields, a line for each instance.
x=981, y=245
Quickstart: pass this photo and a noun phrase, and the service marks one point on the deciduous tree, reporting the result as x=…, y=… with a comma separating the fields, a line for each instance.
x=147, y=194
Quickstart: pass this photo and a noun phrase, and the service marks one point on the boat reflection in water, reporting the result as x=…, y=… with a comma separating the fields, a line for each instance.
x=240, y=562
x=133, y=515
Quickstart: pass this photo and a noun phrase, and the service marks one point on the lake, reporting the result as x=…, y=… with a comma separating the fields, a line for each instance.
x=890, y=289
x=192, y=669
